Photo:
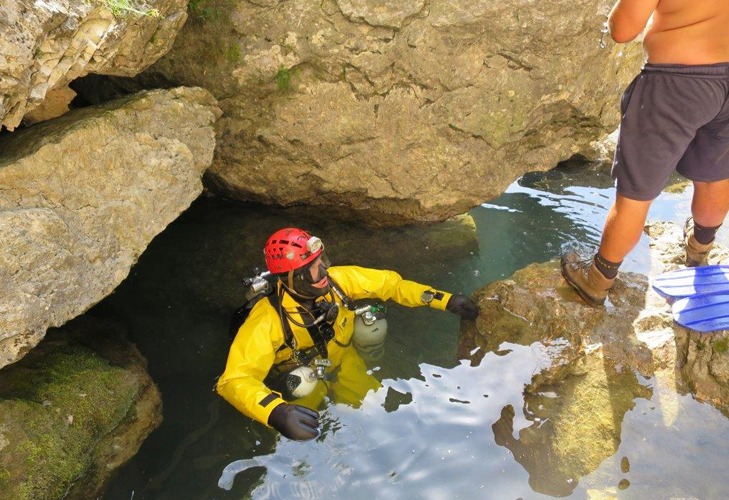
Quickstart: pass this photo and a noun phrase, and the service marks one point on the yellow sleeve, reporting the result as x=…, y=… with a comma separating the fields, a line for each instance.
x=250, y=359
x=364, y=283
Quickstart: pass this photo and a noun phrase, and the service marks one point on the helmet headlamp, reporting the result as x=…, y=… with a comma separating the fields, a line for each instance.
x=314, y=245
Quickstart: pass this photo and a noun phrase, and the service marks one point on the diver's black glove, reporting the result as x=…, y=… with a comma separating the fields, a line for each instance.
x=462, y=306
x=295, y=422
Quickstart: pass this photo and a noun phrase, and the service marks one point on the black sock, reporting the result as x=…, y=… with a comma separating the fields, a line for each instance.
x=705, y=235
x=607, y=268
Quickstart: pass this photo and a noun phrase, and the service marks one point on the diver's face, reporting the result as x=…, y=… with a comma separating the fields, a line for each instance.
x=312, y=281
x=318, y=272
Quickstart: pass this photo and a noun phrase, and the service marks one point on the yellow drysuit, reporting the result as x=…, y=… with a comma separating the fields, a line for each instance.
x=259, y=343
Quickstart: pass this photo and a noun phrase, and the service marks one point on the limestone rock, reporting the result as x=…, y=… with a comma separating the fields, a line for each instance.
x=56, y=103
x=72, y=411
x=46, y=45
x=595, y=356
x=398, y=112
x=82, y=196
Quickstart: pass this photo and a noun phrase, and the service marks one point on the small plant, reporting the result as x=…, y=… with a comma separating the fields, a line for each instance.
x=283, y=78
x=200, y=9
x=123, y=7
x=234, y=53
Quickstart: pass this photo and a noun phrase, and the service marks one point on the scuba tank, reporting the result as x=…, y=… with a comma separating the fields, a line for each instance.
x=370, y=330
x=294, y=383
x=298, y=382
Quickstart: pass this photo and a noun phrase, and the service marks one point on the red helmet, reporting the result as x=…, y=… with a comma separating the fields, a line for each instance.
x=291, y=248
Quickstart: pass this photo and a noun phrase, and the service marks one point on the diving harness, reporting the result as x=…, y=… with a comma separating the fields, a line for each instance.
x=295, y=378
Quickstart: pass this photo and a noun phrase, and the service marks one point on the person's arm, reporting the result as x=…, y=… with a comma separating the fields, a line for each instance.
x=250, y=359
x=388, y=285
x=628, y=18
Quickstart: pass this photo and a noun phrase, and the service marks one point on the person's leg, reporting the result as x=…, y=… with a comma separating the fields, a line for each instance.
x=623, y=226
x=709, y=207
x=710, y=203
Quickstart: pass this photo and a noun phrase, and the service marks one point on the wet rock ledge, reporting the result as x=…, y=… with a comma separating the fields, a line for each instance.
x=598, y=360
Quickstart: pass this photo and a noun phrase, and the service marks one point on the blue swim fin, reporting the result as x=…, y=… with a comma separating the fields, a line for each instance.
x=703, y=313
x=691, y=281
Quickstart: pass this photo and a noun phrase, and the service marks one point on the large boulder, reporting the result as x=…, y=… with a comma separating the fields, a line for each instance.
x=82, y=196
x=46, y=45
x=398, y=112
x=73, y=411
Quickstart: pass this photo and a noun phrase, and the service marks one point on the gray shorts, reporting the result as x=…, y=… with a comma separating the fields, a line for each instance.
x=673, y=116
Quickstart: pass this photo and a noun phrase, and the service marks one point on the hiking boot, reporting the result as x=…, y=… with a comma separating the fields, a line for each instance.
x=696, y=253
x=584, y=277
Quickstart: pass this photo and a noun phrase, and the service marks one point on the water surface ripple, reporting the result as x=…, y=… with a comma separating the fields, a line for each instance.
x=429, y=431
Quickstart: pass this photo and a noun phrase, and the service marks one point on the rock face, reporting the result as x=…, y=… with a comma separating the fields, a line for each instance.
x=595, y=356
x=397, y=112
x=82, y=196
x=46, y=45
x=73, y=411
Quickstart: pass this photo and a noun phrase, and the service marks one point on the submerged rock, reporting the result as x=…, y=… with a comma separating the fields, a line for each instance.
x=82, y=196
x=598, y=356
x=72, y=411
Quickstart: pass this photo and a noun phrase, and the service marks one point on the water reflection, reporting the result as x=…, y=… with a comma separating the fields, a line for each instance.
x=576, y=424
x=439, y=426
x=433, y=446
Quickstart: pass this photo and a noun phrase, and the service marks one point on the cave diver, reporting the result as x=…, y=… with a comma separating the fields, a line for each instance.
x=298, y=344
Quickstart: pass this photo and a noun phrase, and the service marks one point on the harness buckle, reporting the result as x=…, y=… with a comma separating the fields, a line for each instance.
x=321, y=364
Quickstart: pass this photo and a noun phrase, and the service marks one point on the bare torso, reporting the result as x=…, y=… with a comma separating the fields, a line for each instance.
x=688, y=32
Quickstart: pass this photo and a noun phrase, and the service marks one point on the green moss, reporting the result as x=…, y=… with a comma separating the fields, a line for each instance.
x=234, y=53
x=121, y=8
x=678, y=187
x=283, y=79
x=205, y=10
x=721, y=345
x=56, y=406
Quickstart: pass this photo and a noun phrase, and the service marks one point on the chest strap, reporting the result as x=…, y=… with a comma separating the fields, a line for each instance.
x=320, y=337
x=289, y=340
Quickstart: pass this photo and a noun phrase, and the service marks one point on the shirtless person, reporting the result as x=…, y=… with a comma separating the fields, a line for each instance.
x=674, y=115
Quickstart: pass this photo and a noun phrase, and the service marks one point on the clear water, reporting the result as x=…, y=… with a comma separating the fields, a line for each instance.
x=427, y=433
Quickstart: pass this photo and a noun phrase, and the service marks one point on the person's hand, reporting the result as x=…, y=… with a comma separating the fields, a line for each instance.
x=462, y=306
x=295, y=422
